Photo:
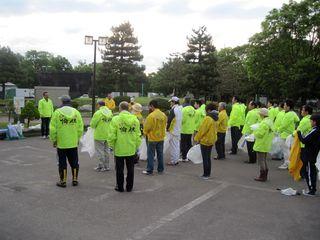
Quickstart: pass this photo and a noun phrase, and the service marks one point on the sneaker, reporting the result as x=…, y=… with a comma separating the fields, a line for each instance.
x=180, y=160
x=43, y=137
x=98, y=168
x=172, y=163
x=284, y=166
x=75, y=183
x=204, y=177
x=104, y=169
x=308, y=193
x=146, y=172
x=185, y=160
x=118, y=189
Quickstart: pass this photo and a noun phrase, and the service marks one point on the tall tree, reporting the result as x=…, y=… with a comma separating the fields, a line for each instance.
x=284, y=59
x=202, y=63
x=121, y=71
x=10, y=70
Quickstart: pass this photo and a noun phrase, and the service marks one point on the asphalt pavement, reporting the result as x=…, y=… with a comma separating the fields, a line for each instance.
x=175, y=205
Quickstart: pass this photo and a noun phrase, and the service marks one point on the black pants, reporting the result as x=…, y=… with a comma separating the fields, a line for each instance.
x=220, y=145
x=72, y=155
x=130, y=172
x=309, y=170
x=45, y=122
x=235, y=137
x=206, y=157
x=185, y=144
x=252, y=154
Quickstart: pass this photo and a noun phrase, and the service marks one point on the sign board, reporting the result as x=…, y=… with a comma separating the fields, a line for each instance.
x=18, y=103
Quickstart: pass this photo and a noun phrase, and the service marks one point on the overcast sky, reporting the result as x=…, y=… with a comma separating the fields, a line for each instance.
x=59, y=26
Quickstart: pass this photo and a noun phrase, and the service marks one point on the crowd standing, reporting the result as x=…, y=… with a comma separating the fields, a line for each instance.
x=184, y=126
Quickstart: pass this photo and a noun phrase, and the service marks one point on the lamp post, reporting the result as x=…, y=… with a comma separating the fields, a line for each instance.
x=88, y=40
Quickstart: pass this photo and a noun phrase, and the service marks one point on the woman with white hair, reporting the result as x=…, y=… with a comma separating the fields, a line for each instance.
x=263, y=140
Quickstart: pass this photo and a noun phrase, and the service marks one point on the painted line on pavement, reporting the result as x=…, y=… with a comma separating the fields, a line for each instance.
x=144, y=232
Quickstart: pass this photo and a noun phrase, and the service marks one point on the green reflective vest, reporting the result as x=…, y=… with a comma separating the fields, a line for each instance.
x=236, y=116
x=200, y=114
x=100, y=122
x=188, y=120
x=252, y=117
x=66, y=127
x=263, y=136
x=288, y=124
x=45, y=108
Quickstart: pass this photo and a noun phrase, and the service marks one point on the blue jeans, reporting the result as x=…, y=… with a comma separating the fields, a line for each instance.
x=152, y=148
x=206, y=157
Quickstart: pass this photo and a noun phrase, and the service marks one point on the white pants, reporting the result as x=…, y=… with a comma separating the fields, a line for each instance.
x=102, y=153
x=174, y=147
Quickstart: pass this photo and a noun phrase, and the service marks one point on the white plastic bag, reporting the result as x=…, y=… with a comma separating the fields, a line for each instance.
x=289, y=141
x=87, y=142
x=255, y=126
x=195, y=155
x=289, y=192
x=318, y=165
x=12, y=132
x=276, y=146
x=249, y=138
x=228, y=136
x=242, y=144
x=166, y=145
x=143, y=150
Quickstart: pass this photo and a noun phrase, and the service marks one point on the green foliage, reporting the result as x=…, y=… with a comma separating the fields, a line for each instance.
x=120, y=99
x=82, y=101
x=74, y=104
x=83, y=67
x=30, y=112
x=120, y=71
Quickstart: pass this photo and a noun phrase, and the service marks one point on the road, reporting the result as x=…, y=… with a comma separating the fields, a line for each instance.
x=175, y=205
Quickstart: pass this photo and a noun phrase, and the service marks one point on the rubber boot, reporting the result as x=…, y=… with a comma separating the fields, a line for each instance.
x=63, y=178
x=262, y=176
x=75, y=172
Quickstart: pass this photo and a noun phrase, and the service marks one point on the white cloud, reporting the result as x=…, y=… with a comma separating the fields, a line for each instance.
x=161, y=26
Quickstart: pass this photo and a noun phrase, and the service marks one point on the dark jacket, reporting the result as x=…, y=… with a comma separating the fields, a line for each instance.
x=312, y=144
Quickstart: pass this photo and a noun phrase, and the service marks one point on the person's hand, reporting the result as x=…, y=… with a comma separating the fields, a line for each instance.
x=54, y=144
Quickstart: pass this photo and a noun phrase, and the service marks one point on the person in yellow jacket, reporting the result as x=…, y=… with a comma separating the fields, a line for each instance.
x=45, y=108
x=66, y=128
x=263, y=140
x=155, y=131
x=207, y=136
x=136, y=110
x=222, y=127
x=287, y=128
x=304, y=128
x=124, y=139
x=252, y=118
x=187, y=128
x=110, y=103
x=235, y=122
x=100, y=122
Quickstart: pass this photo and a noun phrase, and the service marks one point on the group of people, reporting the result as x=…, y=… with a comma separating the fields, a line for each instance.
x=186, y=125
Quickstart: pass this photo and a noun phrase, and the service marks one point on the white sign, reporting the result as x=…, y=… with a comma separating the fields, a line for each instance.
x=18, y=103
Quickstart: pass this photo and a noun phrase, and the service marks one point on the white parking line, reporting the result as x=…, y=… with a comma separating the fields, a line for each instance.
x=144, y=232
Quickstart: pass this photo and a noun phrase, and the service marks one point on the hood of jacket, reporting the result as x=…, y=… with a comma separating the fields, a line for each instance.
x=68, y=112
x=127, y=118
x=214, y=115
x=105, y=111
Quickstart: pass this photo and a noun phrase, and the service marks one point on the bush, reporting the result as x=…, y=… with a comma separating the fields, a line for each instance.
x=163, y=104
x=74, y=104
x=30, y=112
x=120, y=99
x=82, y=101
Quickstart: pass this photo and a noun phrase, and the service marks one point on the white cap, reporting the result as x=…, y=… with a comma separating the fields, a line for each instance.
x=174, y=99
x=264, y=112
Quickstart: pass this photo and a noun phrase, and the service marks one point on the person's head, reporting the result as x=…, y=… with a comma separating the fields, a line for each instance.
x=270, y=104
x=259, y=104
x=306, y=110
x=288, y=105
x=123, y=106
x=281, y=106
x=187, y=100
x=235, y=99
x=132, y=100
x=45, y=95
x=264, y=112
x=66, y=100
x=136, y=108
x=203, y=101
x=197, y=104
x=153, y=104
x=252, y=105
x=222, y=106
x=315, y=120
x=109, y=95
x=174, y=100
x=100, y=104
x=211, y=106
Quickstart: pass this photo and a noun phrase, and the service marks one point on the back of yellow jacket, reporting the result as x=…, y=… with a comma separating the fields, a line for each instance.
x=207, y=134
x=222, y=122
x=155, y=126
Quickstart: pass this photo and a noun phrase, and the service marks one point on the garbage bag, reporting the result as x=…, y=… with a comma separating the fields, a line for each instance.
x=143, y=150
x=87, y=142
x=255, y=126
x=242, y=144
x=289, y=192
x=19, y=128
x=276, y=146
x=318, y=165
x=228, y=136
x=194, y=154
x=166, y=145
x=12, y=132
x=249, y=138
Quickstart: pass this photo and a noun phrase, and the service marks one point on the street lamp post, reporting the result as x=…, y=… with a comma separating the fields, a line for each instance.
x=88, y=40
